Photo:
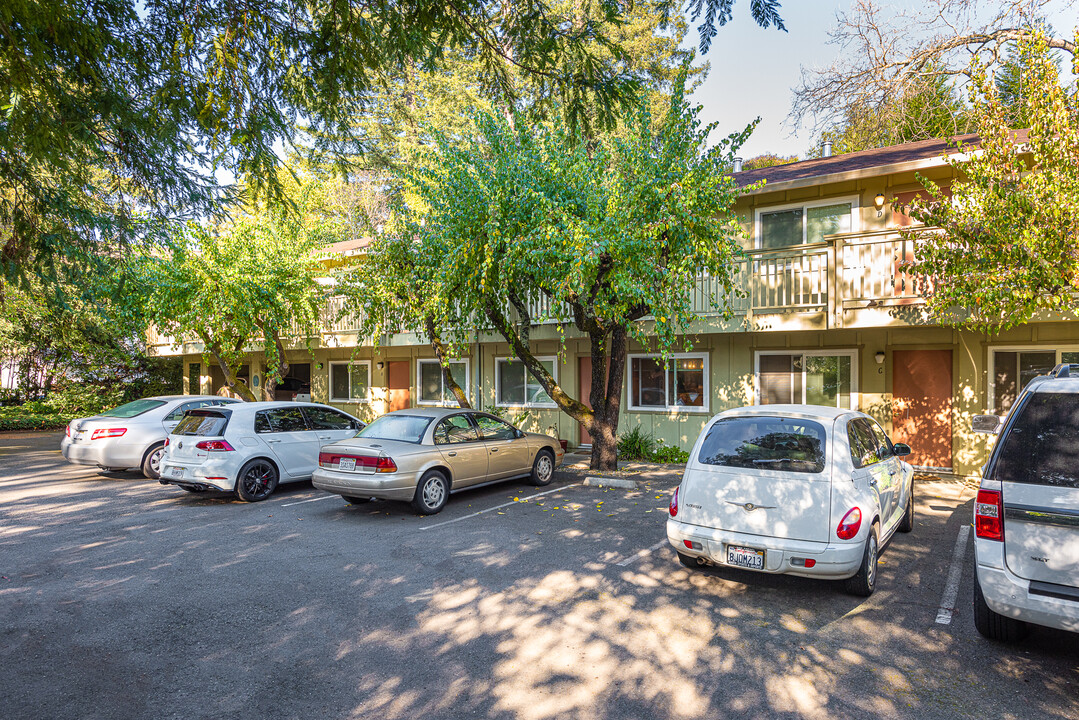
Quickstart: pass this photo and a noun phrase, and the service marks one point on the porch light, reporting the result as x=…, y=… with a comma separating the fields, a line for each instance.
x=879, y=357
x=878, y=202
x=380, y=365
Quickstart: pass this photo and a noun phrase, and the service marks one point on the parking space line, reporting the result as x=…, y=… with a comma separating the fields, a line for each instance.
x=499, y=507
x=301, y=502
x=951, y=588
x=641, y=553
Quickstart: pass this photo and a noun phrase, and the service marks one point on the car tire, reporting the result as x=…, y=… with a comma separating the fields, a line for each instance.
x=352, y=499
x=432, y=493
x=690, y=561
x=907, y=523
x=542, y=468
x=993, y=625
x=151, y=462
x=865, y=581
x=256, y=480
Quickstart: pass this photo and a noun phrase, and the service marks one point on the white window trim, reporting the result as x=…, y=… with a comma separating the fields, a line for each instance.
x=355, y=363
x=855, y=389
x=991, y=372
x=452, y=401
x=528, y=379
x=855, y=216
x=666, y=379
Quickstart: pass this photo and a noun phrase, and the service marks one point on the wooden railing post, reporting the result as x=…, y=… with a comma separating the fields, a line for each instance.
x=835, y=271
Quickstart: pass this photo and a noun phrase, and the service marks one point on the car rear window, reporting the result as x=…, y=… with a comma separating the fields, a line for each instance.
x=1042, y=445
x=201, y=422
x=765, y=443
x=133, y=408
x=405, y=428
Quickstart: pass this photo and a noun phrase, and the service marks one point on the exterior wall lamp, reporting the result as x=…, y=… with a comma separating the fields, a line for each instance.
x=879, y=357
x=380, y=364
x=878, y=202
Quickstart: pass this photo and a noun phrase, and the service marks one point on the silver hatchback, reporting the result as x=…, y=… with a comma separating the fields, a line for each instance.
x=422, y=455
x=131, y=435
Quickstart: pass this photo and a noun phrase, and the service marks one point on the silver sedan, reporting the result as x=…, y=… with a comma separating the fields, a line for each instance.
x=422, y=455
x=131, y=435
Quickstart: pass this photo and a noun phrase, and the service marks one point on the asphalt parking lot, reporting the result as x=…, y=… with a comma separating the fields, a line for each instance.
x=122, y=598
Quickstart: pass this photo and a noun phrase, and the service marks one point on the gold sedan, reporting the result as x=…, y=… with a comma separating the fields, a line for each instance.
x=422, y=455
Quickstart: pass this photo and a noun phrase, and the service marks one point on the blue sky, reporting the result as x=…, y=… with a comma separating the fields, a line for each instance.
x=754, y=70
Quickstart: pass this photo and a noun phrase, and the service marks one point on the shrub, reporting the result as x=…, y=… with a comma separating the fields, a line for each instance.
x=635, y=445
x=670, y=454
x=82, y=400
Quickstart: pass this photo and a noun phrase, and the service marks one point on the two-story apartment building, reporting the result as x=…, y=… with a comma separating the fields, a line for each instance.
x=827, y=318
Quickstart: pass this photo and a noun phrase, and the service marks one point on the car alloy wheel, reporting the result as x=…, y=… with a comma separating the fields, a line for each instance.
x=151, y=464
x=257, y=480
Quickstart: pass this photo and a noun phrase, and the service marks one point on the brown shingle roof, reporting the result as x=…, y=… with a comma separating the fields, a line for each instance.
x=877, y=157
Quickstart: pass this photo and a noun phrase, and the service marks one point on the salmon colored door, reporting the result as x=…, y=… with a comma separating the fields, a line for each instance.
x=584, y=379
x=922, y=405
x=397, y=382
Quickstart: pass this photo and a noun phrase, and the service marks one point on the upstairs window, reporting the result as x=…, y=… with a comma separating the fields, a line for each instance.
x=802, y=224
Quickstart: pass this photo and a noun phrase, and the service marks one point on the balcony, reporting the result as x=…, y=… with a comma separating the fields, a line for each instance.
x=849, y=280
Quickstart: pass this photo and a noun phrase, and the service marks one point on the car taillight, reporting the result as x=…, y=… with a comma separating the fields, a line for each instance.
x=989, y=515
x=674, y=503
x=107, y=433
x=382, y=463
x=214, y=445
x=849, y=525
x=68, y=430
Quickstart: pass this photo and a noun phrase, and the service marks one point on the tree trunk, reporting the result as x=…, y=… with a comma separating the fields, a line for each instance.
x=607, y=401
x=443, y=361
x=270, y=379
x=230, y=376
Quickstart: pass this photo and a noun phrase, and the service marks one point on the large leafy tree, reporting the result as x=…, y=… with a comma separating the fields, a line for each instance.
x=114, y=110
x=525, y=225
x=1006, y=247
x=243, y=287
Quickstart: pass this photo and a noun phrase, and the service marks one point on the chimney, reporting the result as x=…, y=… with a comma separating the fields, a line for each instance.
x=826, y=149
x=738, y=164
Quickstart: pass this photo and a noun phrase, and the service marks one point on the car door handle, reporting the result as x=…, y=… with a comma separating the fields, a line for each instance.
x=494, y=450
x=872, y=483
x=325, y=437
x=273, y=441
x=452, y=454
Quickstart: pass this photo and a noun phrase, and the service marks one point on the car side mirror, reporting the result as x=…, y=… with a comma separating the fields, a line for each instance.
x=987, y=424
x=901, y=449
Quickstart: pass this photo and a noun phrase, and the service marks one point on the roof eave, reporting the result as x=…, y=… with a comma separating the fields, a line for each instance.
x=859, y=174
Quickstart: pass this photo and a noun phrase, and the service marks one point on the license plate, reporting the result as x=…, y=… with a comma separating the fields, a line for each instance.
x=176, y=472
x=745, y=557
x=346, y=464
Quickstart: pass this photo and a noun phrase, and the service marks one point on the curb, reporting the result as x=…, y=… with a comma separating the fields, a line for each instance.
x=611, y=482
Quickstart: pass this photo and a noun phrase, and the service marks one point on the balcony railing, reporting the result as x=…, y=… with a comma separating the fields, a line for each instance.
x=845, y=272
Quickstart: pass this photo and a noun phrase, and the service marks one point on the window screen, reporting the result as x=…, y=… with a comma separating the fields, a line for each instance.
x=781, y=229
x=1042, y=446
x=765, y=443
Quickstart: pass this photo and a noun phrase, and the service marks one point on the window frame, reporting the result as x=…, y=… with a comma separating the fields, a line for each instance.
x=528, y=377
x=349, y=365
x=853, y=353
x=452, y=401
x=706, y=390
x=855, y=217
x=991, y=369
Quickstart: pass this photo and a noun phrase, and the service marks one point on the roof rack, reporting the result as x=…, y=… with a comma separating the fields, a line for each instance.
x=1064, y=370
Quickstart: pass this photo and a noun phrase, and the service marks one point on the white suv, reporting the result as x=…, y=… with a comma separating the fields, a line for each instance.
x=1026, y=516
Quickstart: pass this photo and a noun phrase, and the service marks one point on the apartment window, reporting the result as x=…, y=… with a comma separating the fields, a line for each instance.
x=433, y=390
x=350, y=382
x=787, y=226
x=516, y=386
x=678, y=383
x=810, y=378
x=1013, y=368
x=194, y=379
